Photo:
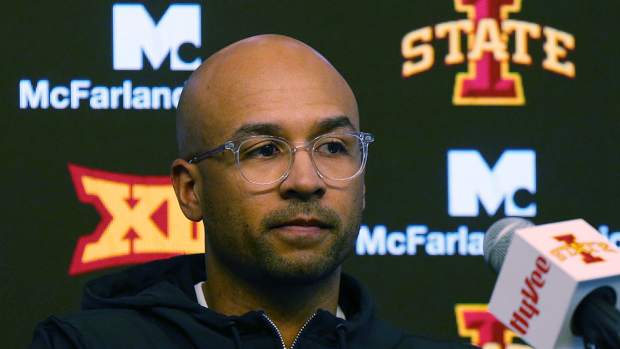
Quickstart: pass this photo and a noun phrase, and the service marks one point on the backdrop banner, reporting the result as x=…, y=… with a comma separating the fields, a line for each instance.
x=481, y=109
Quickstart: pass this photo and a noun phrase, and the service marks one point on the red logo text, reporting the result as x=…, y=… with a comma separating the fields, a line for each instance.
x=528, y=309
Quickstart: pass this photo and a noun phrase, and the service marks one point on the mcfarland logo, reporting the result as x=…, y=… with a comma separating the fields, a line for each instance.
x=488, y=80
x=587, y=250
x=140, y=221
x=484, y=330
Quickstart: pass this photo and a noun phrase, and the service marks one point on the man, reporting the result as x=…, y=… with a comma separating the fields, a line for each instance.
x=272, y=161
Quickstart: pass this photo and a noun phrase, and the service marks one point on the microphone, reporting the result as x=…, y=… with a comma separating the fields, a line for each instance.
x=557, y=282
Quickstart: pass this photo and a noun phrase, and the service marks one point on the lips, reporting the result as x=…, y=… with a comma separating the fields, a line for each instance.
x=303, y=222
x=302, y=232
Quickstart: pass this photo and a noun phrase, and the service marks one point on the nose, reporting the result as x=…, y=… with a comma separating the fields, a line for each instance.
x=303, y=181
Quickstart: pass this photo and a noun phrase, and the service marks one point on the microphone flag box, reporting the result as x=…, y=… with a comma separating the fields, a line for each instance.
x=548, y=270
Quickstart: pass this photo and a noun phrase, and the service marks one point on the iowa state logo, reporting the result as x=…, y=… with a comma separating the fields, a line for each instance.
x=488, y=79
x=140, y=221
x=588, y=250
x=483, y=329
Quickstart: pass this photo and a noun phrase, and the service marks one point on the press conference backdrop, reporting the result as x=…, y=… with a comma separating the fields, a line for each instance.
x=481, y=109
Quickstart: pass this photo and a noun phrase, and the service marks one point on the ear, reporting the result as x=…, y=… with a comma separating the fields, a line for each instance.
x=186, y=182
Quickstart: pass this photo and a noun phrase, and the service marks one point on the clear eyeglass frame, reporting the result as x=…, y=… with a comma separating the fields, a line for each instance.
x=235, y=146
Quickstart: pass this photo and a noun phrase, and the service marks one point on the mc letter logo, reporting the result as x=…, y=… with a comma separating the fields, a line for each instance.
x=136, y=35
x=472, y=182
x=140, y=221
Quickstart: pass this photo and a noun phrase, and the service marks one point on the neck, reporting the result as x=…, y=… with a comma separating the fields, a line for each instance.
x=289, y=306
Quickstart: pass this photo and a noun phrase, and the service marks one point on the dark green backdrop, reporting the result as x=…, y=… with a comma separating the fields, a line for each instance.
x=571, y=124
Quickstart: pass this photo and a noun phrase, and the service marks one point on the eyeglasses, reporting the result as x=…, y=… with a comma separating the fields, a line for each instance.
x=268, y=159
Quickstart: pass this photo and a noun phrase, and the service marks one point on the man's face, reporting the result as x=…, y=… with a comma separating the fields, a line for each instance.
x=296, y=230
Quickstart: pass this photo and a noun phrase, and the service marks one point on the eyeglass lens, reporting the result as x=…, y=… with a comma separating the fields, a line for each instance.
x=266, y=160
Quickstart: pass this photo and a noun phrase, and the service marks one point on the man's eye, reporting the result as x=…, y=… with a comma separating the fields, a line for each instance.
x=263, y=151
x=332, y=148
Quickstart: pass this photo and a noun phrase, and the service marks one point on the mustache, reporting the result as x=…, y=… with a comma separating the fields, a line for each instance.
x=295, y=209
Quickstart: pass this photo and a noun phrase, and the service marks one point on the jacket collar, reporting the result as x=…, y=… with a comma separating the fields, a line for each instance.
x=169, y=284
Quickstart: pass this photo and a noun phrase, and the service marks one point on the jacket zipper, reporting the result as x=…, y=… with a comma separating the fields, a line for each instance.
x=277, y=331
x=275, y=328
x=301, y=330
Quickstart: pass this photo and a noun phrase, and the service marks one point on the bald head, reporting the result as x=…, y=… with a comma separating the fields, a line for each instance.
x=269, y=85
x=256, y=75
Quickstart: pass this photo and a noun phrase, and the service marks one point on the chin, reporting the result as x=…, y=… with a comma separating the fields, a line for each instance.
x=298, y=277
x=301, y=269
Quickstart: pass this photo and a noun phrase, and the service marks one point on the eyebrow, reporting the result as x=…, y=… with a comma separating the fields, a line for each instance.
x=330, y=124
x=324, y=126
x=257, y=130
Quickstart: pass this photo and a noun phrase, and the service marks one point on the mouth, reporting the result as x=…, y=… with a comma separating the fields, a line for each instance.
x=303, y=222
x=306, y=229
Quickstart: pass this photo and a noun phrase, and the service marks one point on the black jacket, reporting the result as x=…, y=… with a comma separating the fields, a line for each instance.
x=154, y=306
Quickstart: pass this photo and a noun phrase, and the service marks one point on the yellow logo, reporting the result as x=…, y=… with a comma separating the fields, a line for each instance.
x=586, y=250
x=488, y=80
x=140, y=221
x=484, y=330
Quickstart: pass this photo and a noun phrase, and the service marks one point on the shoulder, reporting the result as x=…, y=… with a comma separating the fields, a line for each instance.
x=98, y=320
x=107, y=328
x=405, y=340
x=414, y=342
x=53, y=333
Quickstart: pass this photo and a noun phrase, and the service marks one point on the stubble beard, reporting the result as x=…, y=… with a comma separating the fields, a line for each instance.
x=257, y=260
